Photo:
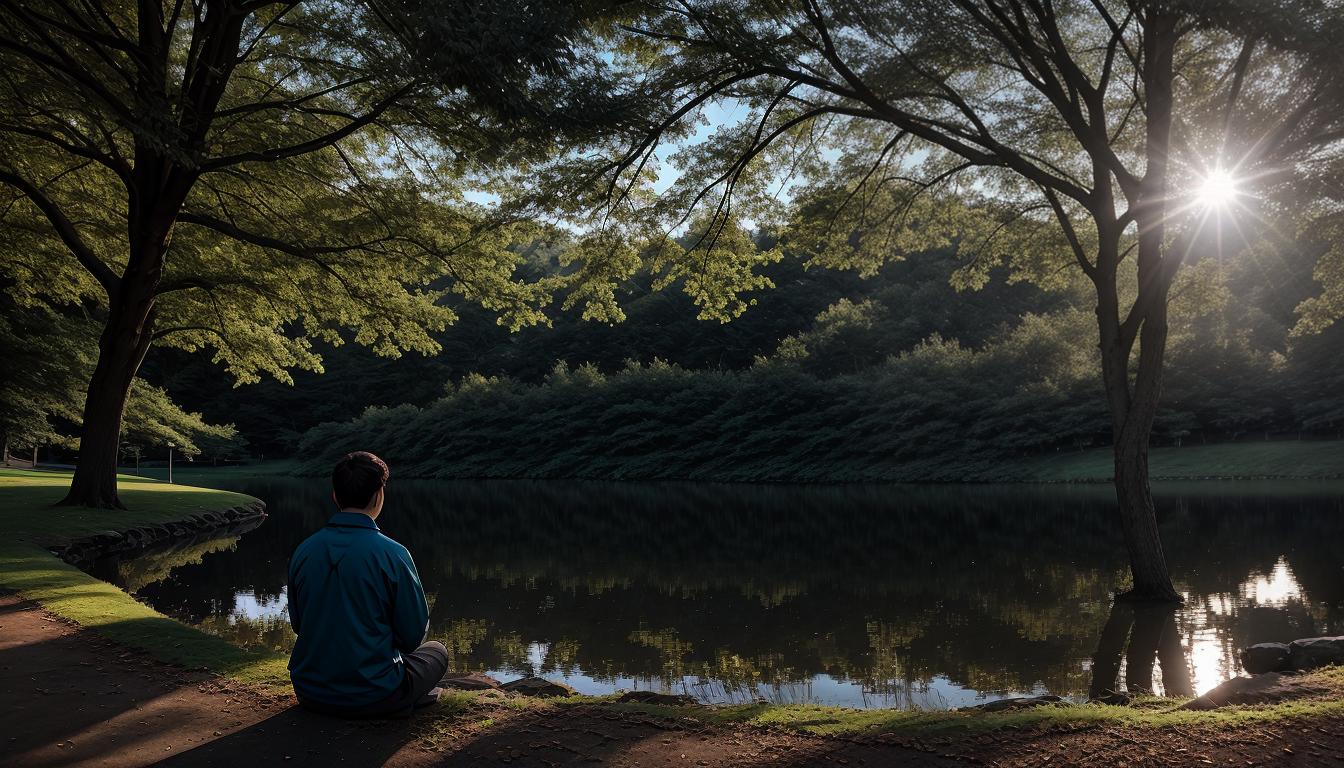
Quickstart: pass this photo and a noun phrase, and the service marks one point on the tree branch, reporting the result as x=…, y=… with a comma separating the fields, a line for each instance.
x=65, y=229
x=312, y=145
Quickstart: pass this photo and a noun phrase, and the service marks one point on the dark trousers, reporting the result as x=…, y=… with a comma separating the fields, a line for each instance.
x=425, y=667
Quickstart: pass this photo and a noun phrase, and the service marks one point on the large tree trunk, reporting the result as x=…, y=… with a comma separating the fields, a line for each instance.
x=1133, y=402
x=121, y=348
x=1138, y=519
x=1133, y=410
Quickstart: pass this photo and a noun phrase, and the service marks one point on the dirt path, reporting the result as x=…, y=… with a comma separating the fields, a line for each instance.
x=69, y=697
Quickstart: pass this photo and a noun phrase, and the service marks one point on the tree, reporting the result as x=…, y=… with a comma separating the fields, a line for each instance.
x=153, y=420
x=249, y=175
x=44, y=374
x=49, y=357
x=1041, y=133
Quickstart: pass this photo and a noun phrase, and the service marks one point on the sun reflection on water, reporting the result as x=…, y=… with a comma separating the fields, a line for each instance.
x=1211, y=650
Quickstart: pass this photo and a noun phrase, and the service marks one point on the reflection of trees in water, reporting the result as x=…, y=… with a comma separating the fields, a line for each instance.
x=271, y=633
x=1141, y=634
x=738, y=586
x=157, y=564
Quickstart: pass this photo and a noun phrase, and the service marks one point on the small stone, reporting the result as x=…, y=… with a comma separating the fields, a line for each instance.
x=1313, y=652
x=1265, y=657
x=468, y=681
x=536, y=686
x=1021, y=702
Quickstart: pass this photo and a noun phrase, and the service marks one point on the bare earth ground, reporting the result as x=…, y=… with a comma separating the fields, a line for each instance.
x=70, y=697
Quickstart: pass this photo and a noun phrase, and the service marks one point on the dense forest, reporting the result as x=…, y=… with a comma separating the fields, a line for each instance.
x=828, y=376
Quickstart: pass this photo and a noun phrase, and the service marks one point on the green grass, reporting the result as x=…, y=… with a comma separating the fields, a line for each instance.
x=201, y=472
x=30, y=514
x=1284, y=459
x=834, y=721
x=1273, y=459
x=1150, y=712
x=30, y=522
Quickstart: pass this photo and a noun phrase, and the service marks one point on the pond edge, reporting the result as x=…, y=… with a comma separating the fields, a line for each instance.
x=86, y=549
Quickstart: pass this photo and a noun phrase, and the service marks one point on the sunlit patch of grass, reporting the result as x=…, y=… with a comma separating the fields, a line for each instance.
x=457, y=715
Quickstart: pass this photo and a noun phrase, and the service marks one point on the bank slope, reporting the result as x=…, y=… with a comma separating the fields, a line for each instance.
x=31, y=523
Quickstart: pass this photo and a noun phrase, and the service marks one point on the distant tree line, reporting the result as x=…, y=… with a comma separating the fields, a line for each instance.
x=902, y=384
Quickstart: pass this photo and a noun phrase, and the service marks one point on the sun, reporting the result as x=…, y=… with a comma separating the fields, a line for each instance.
x=1217, y=190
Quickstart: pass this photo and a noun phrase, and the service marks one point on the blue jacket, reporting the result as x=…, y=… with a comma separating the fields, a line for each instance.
x=356, y=603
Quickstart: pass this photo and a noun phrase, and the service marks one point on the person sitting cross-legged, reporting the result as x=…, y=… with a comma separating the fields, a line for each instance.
x=356, y=604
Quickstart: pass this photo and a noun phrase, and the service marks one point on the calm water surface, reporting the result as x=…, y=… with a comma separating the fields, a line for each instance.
x=866, y=596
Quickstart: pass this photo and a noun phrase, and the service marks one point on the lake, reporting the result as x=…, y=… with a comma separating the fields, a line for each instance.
x=861, y=596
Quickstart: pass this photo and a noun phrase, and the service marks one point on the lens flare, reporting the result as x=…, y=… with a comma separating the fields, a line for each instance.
x=1217, y=190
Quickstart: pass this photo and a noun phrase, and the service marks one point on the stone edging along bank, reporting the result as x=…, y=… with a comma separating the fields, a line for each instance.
x=85, y=549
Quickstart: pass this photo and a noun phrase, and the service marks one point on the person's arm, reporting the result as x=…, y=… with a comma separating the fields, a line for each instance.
x=292, y=601
x=410, y=613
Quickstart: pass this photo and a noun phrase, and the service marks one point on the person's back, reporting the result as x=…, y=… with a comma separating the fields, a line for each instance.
x=357, y=606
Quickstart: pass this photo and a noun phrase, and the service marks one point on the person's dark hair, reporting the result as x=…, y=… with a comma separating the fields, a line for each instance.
x=357, y=477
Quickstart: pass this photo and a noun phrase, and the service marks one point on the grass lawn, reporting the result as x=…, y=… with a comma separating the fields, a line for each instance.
x=201, y=472
x=29, y=522
x=1283, y=459
x=1145, y=712
x=1273, y=459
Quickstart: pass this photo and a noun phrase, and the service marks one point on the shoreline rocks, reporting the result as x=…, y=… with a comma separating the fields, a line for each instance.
x=1300, y=655
x=1314, y=652
x=1267, y=688
x=1020, y=702
x=536, y=686
x=86, y=549
x=468, y=681
x=1265, y=657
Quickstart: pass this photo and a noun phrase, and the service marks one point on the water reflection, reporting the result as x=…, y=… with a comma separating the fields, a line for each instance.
x=861, y=596
x=1140, y=634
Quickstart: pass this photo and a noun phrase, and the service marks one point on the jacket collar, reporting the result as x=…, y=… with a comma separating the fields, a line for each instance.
x=352, y=520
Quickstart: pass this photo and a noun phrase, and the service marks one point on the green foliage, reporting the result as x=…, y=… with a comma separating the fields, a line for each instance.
x=880, y=389
x=45, y=370
x=49, y=356
x=152, y=419
x=772, y=422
